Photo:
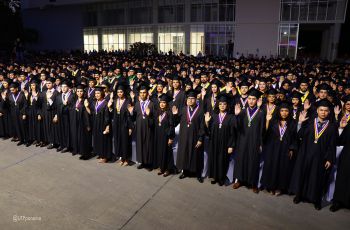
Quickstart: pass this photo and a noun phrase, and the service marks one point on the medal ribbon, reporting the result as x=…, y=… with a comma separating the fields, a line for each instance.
x=119, y=104
x=251, y=117
x=15, y=98
x=98, y=104
x=318, y=133
x=221, y=118
x=161, y=117
x=282, y=130
x=244, y=102
x=189, y=117
x=143, y=108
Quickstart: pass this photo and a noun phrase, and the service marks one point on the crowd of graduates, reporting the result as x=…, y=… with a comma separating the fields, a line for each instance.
x=267, y=124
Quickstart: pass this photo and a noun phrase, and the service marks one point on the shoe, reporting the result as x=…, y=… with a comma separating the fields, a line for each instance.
x=221, y=183
x=149, y=169
x=255, y=190
x=182, y=176
x=335, y=207
x=236, y=185
x=140, y=166
x=200, y=179
x=126, y=163
x=14, y=140
x=28, y=144
x=160, y=173
x=38, y=144
x=167, y=173
x=43, y=145
x=296, y=200
x=20, y=143
x=51, y=146
x=59, y=149
x=213, y=182
x=318, y=206
x=34, y=142
x=66, y=150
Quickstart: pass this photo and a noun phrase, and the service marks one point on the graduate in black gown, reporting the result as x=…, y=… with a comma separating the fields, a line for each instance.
x=101, y=127
x=18, y=105
x=251, y=124
x=191, y=137
x=122, y=124
x=341, y=198
x=222, y=138
x=65, y=103
x=297, y=107
x=48, y=111
x=242, y=97
x=35, y=125
x=270, y=107
x=315, y=157
x=80, y=125
x=143, y=114
x=210, y=98
x=5, y=110
x=279, y=149
x=164, y=133
x=177, y=93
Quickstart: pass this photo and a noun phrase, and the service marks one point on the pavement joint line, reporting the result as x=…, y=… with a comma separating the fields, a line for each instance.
x=146, y=202
x=20, y=161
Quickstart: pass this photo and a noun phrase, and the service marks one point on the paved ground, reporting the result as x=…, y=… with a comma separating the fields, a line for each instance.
x=67, y=193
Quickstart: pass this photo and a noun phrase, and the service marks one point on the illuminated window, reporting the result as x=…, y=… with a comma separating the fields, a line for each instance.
x=90, y=40
x=171, y=41
x=111, y=42
x=140, y=37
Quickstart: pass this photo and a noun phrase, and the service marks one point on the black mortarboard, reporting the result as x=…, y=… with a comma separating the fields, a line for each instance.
x=255, y=93
x=100, y=88
x=271, y=91
x=160, y=82
x=224, y=97
x=346, y=98
x=51, y=79
x=296, y=94
x=285, y=105
x=324, y=103
x=80, y=86
x=216, y=82
x=143, y=86
x=191, y=93
x=165, y=97
x=14, y=85
x=323, y=86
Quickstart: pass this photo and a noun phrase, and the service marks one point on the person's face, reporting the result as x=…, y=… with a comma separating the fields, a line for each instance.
x=347, y=91
x=5, y=84
x=295, y=101
x=222, y=106
x=13, y=90
x=98, y=95
x=42, y=77
x=91, y=84
x=176, y=84
x=204, y=79
x=33, y=87
x=323, y=112
x=120, y=93
x=80, y=93
x=284, y=113
x=160, y=88
x=347, y=106
x=262, y=86
x=191, y=101
x=323, y=94
x=214, y=88
x=162, y=105
x=244, y=90
x=303, y=87
x=64, y=88
x=252, y=101
x=143, y=94
x=197, y=81
x=49, y=85
x=188, y=87
x=271, y=98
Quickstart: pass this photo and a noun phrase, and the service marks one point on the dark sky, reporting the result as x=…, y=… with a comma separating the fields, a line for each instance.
x=344, y=43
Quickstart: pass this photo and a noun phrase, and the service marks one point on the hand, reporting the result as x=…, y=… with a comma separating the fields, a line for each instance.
x=0, y=114
x=234, y=91
x=337, y=110
x=199, y=144
x=343, y=123
x=174, y=110
x=86, y=103
x=307, y=105
x=55, y=119
x=290, y=154
x=130, y=132
x=268, y=116
x=88, y=128
x=130, y=108
x=170, y=142
x=259, y=102
x=302, y=117
x=110, y=103
x=260, y=148
x=203, y=92
x=237, y=109
x=207, y=117
x=148, y=111
x=230, y=150
x=132, y=95
x=228, y=88
x=111, y=96
x=165, y=90
x=39, y=117
x=24, y=117
x=132, y=82
x=106, y=131
x=327, y=165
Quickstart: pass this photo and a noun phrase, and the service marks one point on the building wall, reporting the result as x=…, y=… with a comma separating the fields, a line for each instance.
x=58, y=28
x=257, y=24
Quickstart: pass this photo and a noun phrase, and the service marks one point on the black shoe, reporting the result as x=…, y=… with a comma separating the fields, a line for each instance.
x=38, y=144
x=65, y=150
x=213, y=182
x=20, y=143
x=83, y=157
x=28, y=144
x=221, y=183
x=182, y=176
x=200, y=179
x=59, y=149
x=317, y=206
x=43, y=145
x=14, y=140
x=296, y=200
x=51, y=146
x=140, y=166
x=335, y=207
x=5, y=138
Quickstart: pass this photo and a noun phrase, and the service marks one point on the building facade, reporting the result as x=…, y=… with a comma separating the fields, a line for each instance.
x=256, y=27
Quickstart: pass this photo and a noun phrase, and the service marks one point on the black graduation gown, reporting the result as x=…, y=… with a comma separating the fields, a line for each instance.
x=80, y=129
x=102, y=143
x=3, y=110
x=278, y=167
x=17, y=110
x=309, y=178
x=51, y=129
x=5, y=119
x=342, y=184
x=220, y=139
x=179, y=101
x=249, y=141
x=190, y=158
x=35, y=127
x=243, y=104
x=163, y=132
x=121, y=123
x=64, y=120
x=208, y=104
x=144, y=134
x=274, y=112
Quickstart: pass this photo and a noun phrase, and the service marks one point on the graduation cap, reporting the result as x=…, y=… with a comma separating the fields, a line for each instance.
x=165, y=97
x=285, y=105
x=216, y=82
x=67, y=83
x=160, y=82
x=255, y=93
x=100, y=88
x=296, y=94
x=324, y=103
x=323, y=86
x=14, y=85
x=80, y=86
x=224, y=97
x=346, y=98
x=143, y=86
x=271, y=91
x=188, y=81
x=192, y=93
x=51, y=79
